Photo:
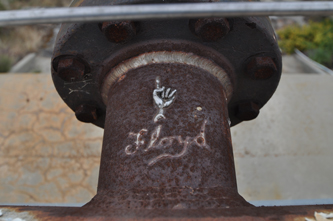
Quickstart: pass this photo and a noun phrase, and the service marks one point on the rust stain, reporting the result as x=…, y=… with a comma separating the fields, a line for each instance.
x=211, y=29
x=119, y=31
x=121, y=77
x=261, y=68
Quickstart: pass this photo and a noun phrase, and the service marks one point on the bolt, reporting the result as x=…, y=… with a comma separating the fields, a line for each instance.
x=211, y=29
x=247, y=111
x=70, y=69
x=86, y=113
x=119, y=31
x=261, y=68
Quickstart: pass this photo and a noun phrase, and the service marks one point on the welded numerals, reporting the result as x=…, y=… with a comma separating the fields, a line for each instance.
x=163, y=98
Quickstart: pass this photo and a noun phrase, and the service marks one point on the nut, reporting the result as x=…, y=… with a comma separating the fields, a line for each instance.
x=86, y=113
x=119, y=31
x=70, y=69
x=261, y=68
x=211, y=29
x=247, y=111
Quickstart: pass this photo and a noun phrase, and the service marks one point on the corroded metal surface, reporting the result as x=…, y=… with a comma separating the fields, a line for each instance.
x=247, y=110
x=182, y=160
x=210, y=29
x=86, y=113
x=163, y=88
x=261, y=68
x=174, y=57
x=45, y=149
x=240, y=39
x=119, y=32
x=71, y=69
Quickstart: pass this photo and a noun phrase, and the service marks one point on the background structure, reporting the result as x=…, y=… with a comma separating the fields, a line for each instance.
x=47, y=156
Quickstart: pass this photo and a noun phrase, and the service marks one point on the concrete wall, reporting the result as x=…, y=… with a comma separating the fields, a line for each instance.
x=287, y=152
x=47, y=156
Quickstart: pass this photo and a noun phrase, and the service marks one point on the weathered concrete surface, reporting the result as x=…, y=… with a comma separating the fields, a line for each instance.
x=292, y=65
x=287, y=152
x=47, y=156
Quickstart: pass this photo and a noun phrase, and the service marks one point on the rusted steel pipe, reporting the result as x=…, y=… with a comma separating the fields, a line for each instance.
x=167, y=141
x=164, y=91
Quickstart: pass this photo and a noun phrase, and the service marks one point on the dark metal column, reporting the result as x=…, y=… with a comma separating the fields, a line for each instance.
x=164, y=90
x=167, y=142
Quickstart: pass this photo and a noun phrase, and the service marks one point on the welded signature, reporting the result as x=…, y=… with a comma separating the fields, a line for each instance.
x=156, y=142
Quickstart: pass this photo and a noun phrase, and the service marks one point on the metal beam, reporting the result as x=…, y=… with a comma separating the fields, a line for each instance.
x=167, y=11
x=287, y=213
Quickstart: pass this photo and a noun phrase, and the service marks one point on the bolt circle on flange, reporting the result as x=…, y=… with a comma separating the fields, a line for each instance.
x=210, y=29
x=261, y=68
x=118, y=31
x=86, y=113
x=81, y=40
x=70, y=69
x=247, y=111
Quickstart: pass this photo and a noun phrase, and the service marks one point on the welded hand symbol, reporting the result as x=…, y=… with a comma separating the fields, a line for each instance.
x=163, y=98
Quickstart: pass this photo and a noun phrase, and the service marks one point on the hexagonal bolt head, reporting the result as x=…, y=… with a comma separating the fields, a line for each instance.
x=211, y=29
x=261, y=68
x=70, y=69
x=86, y=113
x=247, y=111
x=119, y=31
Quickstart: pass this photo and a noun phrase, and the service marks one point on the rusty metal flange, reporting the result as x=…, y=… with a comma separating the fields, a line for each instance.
x=166, y=57
x=247, y=44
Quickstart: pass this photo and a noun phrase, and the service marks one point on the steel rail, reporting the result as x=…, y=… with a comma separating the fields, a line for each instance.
x=157, y=11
